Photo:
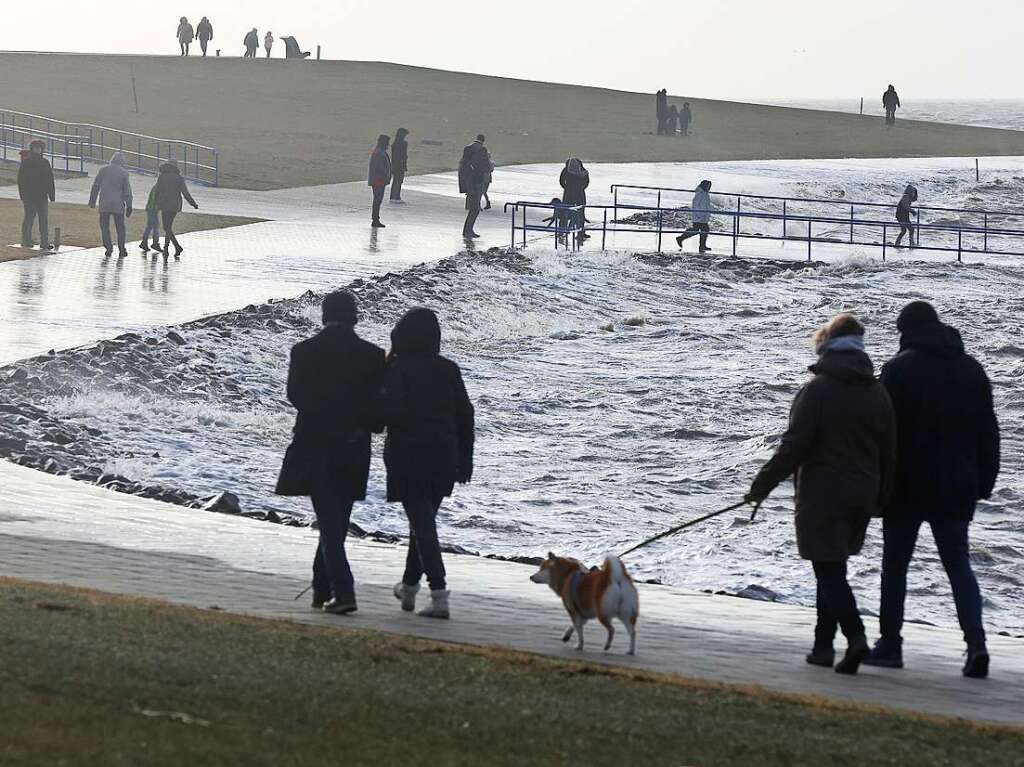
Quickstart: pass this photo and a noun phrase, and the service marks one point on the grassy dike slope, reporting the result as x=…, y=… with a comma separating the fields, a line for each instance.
x=92, y=679
x=292, y=123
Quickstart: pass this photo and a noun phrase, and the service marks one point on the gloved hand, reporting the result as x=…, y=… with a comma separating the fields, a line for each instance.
x=755, y=498
x=195, y=206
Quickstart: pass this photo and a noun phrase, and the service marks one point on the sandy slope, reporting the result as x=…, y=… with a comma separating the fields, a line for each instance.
x=290, y=123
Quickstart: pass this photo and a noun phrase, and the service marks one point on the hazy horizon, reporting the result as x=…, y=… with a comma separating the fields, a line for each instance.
x=740, y=50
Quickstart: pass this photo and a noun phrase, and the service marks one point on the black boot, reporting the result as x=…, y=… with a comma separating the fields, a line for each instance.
x=856, y=652
x=886, y=654
x=976, y=666
x=822, y=656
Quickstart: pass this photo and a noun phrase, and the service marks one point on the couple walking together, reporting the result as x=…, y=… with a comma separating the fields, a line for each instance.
x=345, y=389
x=920, y=445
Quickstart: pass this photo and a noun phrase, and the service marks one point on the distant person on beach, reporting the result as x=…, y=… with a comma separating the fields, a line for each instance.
x=673, y=119
x=112, y=194
x=891, y=102
x=399, y=163
x=661, y=109
x=152, y=224
x=185, y=35
x=574, y=180
x=903, y=213
x=268, y=42
x=429, y=447
x=841, y=445
x=685, y=118
x=701, y=208
x=36, y=190
x=473, y=169
x=252, y=43
x=333, y=380
x=204, y=31
x=379, y=176
x=948, y=459
x=171, y=189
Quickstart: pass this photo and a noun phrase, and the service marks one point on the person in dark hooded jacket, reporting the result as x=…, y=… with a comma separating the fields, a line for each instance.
x=948, y=460
x=473, y=169
x=574, y=180
x=378, y=176
x=841, y=445
x=36, y=190
x=204, y=32
x=429, y=447
x=399, y=163
x=891, y=102
x=904, y=210
x=169, y=191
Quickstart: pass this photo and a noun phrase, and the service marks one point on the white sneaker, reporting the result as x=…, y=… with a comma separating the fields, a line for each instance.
x=438, y=607
x=406, y=595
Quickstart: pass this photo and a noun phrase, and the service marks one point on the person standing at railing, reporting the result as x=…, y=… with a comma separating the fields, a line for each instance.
x=204, y=31
x=701, y=208
x=268, y=42
x=903, y=213
x=891, y=102
x=112, y=193
x=185, y=35
x=379, y=176
x=170, y=189
x=685, y=118
x=574, y=180
x=36, y=190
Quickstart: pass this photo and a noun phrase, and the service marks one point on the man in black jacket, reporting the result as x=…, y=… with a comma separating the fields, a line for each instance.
x=333, y=380
x=473, y=169
x=36, y=190
x=948, y=459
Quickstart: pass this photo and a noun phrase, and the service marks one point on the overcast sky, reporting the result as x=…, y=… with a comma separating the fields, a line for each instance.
x=747, y=49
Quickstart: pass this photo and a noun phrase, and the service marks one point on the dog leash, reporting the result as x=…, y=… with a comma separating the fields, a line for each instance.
x=692, y=522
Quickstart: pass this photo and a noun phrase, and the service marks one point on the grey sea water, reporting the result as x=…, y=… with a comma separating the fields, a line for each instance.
x=990, y=113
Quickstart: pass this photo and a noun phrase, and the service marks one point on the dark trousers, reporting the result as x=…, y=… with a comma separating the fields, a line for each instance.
x=152, y=227
x=906, y=228
x=472, y=210
x=424, y=555
x=396, y=185
x=202, y=44
x=105, y=231
x=35, y=209
x=331, y=571
x=168, y=216
x=378, y=198
x=700, y=228
x=836, y=605
x=951, y=539
x=890, y=116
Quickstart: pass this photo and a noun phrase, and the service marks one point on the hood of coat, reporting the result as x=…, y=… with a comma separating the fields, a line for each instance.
x=170, y=167
x=418, y=332
x=400, y=135
x=910, y=193
x=848, y=365
x=935, y=339
x=575, y=166
x=117, y=159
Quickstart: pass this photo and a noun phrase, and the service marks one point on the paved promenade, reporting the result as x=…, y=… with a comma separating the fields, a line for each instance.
x=58, y=531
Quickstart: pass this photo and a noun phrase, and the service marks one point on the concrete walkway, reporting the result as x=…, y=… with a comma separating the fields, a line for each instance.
x=58, y=531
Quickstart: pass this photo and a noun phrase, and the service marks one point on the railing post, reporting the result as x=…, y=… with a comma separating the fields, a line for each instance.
x=986, y=233
x=659, y=222
x=513, y=243
x=525, y=211
x=917, y=229
x=615, y=201
x=851, y=224
x=604, y=228
x=884, y=240
x=808, y=238
x=959, y=245
x=784, y=235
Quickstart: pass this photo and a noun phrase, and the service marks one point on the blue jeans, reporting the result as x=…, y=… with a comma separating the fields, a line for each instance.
x=152, y=226
x=424, y=555
x=331, y=571
x=105, y=230
x=35, y=209
x=900, y=537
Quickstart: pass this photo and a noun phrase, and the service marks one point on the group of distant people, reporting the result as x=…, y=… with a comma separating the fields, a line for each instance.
x=669, y=116
x=475, y=173
x=345, y=389
x=204, y=33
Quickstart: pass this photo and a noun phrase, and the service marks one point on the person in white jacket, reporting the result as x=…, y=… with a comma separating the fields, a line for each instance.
x=112, y=189
x=701, y=208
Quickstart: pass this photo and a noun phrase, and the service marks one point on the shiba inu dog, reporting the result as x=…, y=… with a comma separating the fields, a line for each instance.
x=603, y=593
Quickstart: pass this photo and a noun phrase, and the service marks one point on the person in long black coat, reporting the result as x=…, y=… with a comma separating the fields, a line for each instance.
x=36, y=190
x=948, y=460
x=841, y=444
x=473, y=169
x=399, y=163
x=429, y=447
x=333, y=381
x=574, y=181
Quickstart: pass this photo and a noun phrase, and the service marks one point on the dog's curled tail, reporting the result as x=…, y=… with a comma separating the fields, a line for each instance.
x=620, y=583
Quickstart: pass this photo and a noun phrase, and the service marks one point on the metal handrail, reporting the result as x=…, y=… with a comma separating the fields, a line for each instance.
x=107, y=128
x=572, y=233
x=738, y=216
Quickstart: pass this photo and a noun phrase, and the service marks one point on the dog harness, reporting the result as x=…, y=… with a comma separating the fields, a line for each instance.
x=574, y=587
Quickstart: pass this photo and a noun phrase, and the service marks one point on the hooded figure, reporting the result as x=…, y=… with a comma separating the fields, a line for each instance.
x=36, y=190
x=685, y=118
x=399, y=163
x=378, y=176
x=169, y=191
x=903, y=212
x=574, y=180
x=948, y=459
x=700, y=208
x=268, y=43
x=429, y=446
x=185, y=35
x=112, y=194
x=251, y=42
x=841, y=447
x=891, y=102
x=473, y=169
